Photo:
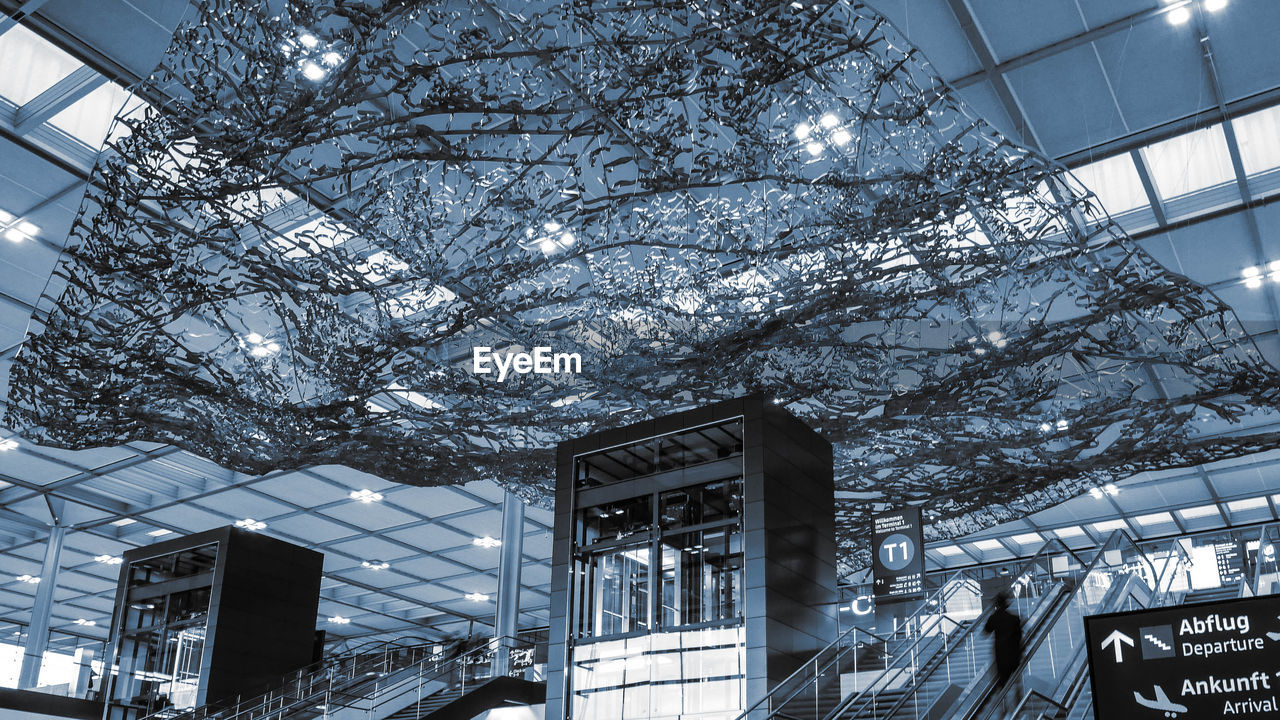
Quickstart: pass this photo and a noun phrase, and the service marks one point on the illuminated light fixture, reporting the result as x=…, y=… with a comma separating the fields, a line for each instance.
x=814, y=148
x=254, y=338
x=841, y=137
x=162, y=532
x=332, y=59
x=477, y=597
x=312, y=71
x=251, y=524
x=1274, y=267
x=123, y=521
x=1154, y=518
x=375, y=564
x=1269, y=550
x=1096, y=492
x=365, y=495
x=1111, y=489
x=988, y=545
x=803, y=130
x=995, y=336
x=828, y=121
x=1247, y=504
x=1027, y=538
x=13, y=234
x=1252, y=276
x=339, y=620
x=1069, y=532
x=89, y=623
x=486, y=542
x=8, y=444
x=949, y=550
x=1045, y=427
x=548, y=246
x=29, y=579
x=5, y=218
x=1109, y=525
x=109, y=559
x=1214, y=5
x=1179, y=16
x=308, y=40
x=1062, y=424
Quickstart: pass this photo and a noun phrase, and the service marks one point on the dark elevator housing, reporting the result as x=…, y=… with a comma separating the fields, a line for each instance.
x=693, y=562
x=209, y=616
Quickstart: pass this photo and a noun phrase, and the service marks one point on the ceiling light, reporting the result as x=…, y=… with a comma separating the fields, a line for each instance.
x=254, y=338
x=548, y=246
x=841, y=137
x=109, y=559
x=251, y=524
x=1096, y=492
x=13, y=234
x=1063, y=424
x=1252, y=276
x=308, y=40
x=1214, y=5
x=802, y=131
x=123, y=521
x=1249, y=504
x=988, y=545
x=566, y=238
x=161, y=532
x=260, y=351
x=332, y=59
x=365, y=495
x=1069, y=532
x=8, y=444
x=1111, y=489
x=1179, y=16
x=814, y=148
x=27, y=228
x=829, y=121
x=477, y=597
x=1026, y=538
x=29, y=579
x=313, y=72
x=949, y=550
x=486, y=542
x=1198, y=512
x=82, y=621
x=5, y=218
x=1154, y=518
x=1045, y=427
x=551, y=226
x=1109, y=525
x=375, y=565
x=339, y=620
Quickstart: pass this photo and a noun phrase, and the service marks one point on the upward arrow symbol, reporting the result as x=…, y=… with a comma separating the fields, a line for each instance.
x=1115, y=638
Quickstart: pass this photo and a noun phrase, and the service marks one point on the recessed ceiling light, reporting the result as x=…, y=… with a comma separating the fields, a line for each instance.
x=1198, y=512
x=160, y=533
x=308, y=40
x=332, y=59
x=803, y=130
x=949, y=550
x=13, y=234
x=1111, y=489
x=365, y=495
x=82, y=621
x=313, y=72
x=1069, y=532
x=829, y=121
x=1109, y=525
x=1179, y=16
x=29, y=229
x=486, y=542
x=251, y=524
x=1026, y=538
x=375, y=564
x=1096, y=492
x=8, y=444
x=1214, y=5
x=477, y=597
x=988, y=544
x=123, y=521
x=1247, y=504
x=814, y=148
x=28, y=579
x=841, y=137
x=339, y=620
x=1154, y=518
x=109, y=559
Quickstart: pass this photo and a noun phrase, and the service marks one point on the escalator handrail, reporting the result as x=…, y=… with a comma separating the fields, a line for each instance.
x=1257, y=566
x=1052, y=547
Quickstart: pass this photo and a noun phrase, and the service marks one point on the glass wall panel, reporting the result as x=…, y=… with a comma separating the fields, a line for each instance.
x=701, y=576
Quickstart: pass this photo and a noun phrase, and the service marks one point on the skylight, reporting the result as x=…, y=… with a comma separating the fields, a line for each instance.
x=89, y=118
x=1027, y=538
x=1247, y=504
x=1258, y=135
x=987, y=545
x=31, y=65
x=1186, y=163
x=1199, y=511
x=1154, y=518
x=1116, y=183
x=949, y=550
x=1109, y=525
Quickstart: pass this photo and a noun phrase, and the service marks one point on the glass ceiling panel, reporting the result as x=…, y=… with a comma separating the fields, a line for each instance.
x=89, y=118
x=30, y=65
x=1116, y=183
x=1189, y=162
x=1259, y=137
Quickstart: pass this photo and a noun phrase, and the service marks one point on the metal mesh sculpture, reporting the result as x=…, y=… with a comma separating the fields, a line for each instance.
x=286, y=258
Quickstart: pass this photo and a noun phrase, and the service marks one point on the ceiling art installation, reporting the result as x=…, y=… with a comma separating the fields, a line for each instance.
x=289, y=251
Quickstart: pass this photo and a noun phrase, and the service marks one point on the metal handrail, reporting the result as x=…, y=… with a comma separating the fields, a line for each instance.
x=1052, y=547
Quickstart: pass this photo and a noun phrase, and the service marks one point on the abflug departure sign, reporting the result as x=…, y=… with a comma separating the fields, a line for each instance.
x=1209, y=660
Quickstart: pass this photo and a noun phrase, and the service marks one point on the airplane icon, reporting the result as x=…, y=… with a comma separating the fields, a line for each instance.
x=1162, y=703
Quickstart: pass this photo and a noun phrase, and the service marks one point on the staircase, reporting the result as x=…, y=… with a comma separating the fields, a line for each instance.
x=427, y=705
x=1218, y=594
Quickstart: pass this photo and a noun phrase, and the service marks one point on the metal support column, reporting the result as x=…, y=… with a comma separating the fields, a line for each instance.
x=38, y=630
x=508, y=605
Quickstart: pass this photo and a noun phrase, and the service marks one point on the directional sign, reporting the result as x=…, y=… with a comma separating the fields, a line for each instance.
x=1209, y=660
x=897, y=543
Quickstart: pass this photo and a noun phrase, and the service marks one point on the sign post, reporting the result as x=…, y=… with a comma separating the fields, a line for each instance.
x=1208, y=660
x=897, y=552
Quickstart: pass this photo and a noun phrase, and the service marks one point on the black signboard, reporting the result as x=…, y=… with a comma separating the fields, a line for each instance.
x=1208, y=660
x=897, y=554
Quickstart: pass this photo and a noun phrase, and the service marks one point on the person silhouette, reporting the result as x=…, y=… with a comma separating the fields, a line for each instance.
x=1005, y=629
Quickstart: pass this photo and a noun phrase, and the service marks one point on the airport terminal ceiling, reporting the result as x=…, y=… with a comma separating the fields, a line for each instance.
x=700, y=200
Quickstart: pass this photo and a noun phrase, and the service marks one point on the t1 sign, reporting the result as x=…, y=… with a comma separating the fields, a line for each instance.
x=897, y=544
